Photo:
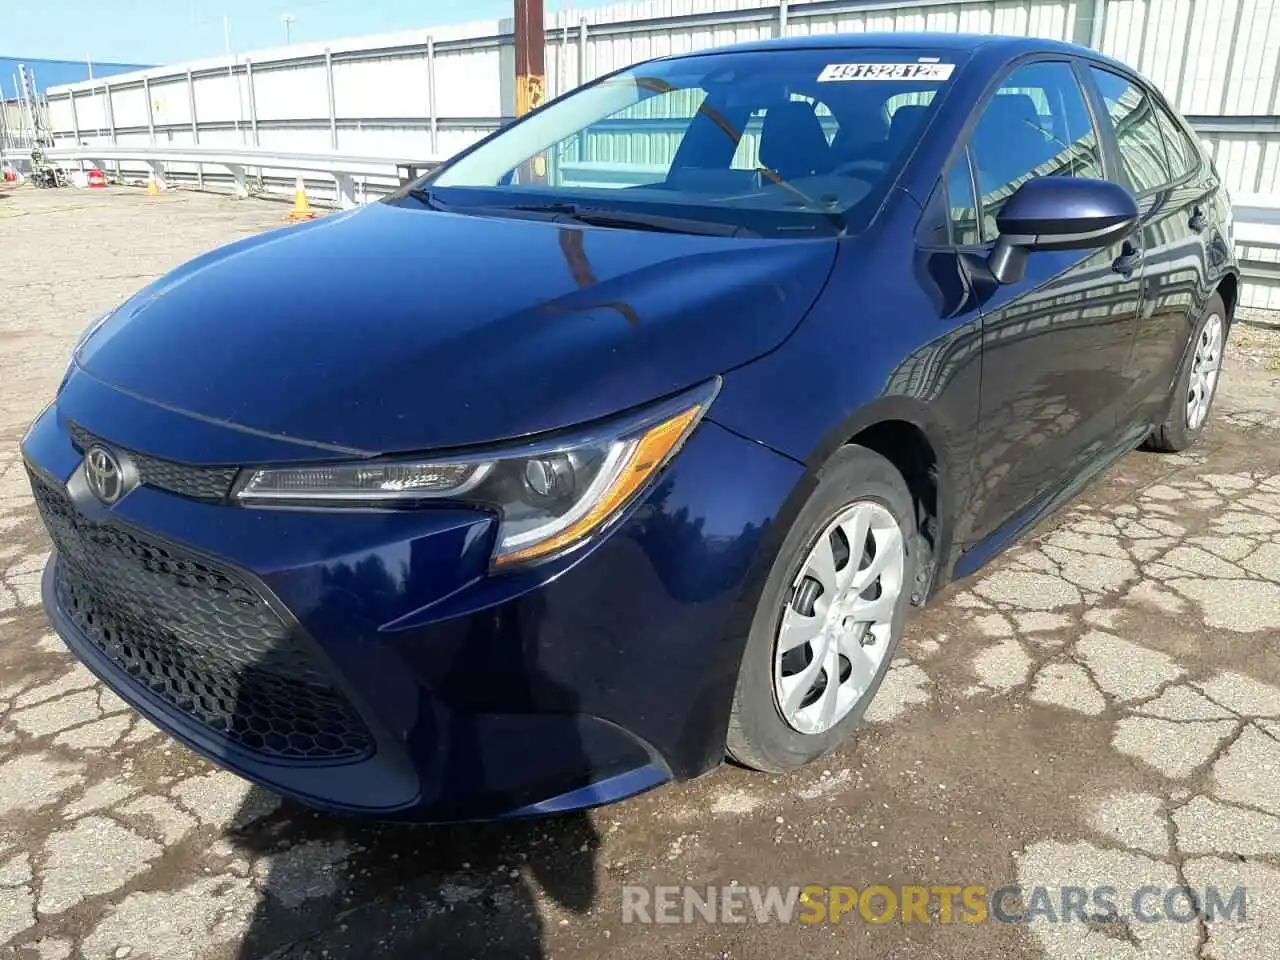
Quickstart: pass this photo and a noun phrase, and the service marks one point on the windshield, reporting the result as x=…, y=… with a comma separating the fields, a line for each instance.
x=779, y=143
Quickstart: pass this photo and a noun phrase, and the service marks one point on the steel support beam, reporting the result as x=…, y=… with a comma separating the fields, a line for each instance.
x=434, y=117
x=253, y=100
x=75, y=124
x=151, y=118
x=195, y=127
x=333, y=108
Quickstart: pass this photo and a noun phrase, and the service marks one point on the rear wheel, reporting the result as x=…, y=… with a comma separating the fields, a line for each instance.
x=829, y=618
x=1197, y=386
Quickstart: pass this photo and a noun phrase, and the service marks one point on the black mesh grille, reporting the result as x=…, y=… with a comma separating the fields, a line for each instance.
x=201, y=483
x=197, y=636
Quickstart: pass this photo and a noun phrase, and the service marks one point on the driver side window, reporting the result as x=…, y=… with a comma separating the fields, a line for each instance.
x=1036, y=125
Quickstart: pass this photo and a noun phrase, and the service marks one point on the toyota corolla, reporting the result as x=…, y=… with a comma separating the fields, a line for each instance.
x=623, y=441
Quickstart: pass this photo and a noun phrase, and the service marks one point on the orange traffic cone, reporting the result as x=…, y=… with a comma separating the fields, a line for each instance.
x=301, y=208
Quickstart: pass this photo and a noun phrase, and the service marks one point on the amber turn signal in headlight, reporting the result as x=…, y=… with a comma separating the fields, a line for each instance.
x=550, y=494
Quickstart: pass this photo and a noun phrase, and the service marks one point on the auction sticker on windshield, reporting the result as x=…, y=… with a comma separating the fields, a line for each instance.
x=936, y=72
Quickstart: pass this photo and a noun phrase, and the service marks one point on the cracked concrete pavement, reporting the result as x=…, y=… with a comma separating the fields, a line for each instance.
x=1101, y=705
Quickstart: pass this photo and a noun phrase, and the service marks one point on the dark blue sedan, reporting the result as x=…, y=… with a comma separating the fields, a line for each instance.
x=623, y=441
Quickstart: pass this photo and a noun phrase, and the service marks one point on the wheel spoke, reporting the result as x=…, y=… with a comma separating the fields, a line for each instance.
x=822, y=566
x=796, y=686
x=797, y=630
x=875, y=611
x=855, y=531
x=887, y=545
x=831, y=694
x=865, y=660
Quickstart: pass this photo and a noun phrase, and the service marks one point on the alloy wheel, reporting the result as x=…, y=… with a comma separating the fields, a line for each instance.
x=836, y=626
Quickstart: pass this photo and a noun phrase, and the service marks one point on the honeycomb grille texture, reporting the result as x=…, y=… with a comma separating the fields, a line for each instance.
x=199, y=637
x=199, y=483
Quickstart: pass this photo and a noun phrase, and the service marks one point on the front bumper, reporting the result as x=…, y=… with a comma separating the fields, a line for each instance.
x=365, y=661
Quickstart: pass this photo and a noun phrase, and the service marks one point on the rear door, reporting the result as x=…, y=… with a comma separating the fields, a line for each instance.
x=1055, y=344
x=1174, y=200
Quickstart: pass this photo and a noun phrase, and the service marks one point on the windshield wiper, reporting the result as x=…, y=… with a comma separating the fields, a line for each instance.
x=425, y=196
x=596, y=216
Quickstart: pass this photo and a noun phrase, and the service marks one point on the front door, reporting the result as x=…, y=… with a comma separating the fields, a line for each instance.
x=1055, y=344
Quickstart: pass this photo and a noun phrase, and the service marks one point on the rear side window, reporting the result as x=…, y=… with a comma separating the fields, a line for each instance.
x=1133, y=115
x=1183, y=156
x=1036, y=125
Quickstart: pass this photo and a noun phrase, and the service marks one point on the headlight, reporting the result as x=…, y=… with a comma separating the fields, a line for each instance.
x=550, y=495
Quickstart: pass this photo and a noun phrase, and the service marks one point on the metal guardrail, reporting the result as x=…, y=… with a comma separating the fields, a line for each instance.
x=343, y=168
x=1257, y=226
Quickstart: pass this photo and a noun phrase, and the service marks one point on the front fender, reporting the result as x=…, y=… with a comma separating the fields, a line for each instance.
x=860, y=360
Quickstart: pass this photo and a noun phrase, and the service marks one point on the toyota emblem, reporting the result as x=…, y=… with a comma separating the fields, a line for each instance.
x=103, y=473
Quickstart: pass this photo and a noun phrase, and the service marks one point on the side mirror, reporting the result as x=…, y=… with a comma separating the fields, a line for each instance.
x=1059, y=213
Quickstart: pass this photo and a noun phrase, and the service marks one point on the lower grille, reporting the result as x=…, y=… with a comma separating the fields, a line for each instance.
x=199, y=637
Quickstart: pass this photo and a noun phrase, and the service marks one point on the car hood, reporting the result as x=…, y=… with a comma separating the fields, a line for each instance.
x=393, y=328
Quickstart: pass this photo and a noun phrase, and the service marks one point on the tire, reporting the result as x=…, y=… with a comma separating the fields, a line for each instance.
x=1178, y=432
x=855, y=484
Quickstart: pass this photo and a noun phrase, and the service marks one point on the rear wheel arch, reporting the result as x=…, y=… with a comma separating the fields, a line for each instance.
x=1229, y=290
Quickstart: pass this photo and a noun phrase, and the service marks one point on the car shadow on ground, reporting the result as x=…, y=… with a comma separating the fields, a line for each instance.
x=339, y=888
x=342, y=887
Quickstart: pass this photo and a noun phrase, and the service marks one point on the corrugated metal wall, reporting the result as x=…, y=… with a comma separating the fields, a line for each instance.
x=427, y=94
x=1214, y=58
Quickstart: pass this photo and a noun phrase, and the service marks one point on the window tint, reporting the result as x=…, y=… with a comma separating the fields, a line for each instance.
x=1182, y=155
x=1133, y=115
x=1036, y=125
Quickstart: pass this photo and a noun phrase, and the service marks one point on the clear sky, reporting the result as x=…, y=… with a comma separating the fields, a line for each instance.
x=166, y=31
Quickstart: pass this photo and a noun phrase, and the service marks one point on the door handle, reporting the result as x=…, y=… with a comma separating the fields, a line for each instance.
x=1128, y=261
x=1198, y=221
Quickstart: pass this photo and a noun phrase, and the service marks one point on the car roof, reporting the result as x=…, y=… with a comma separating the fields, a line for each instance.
x=1003, y=47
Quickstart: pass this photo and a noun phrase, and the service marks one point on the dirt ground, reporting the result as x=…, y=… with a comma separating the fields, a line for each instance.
x=1100, y=706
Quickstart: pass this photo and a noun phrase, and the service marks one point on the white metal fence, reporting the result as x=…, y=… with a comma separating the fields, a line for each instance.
x=431, y=93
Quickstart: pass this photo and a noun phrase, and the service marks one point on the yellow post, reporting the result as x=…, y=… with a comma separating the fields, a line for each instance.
x=531, y=78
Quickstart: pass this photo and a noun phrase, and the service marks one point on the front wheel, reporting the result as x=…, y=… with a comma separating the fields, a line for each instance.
x=829, y=618
x=1197, y=385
